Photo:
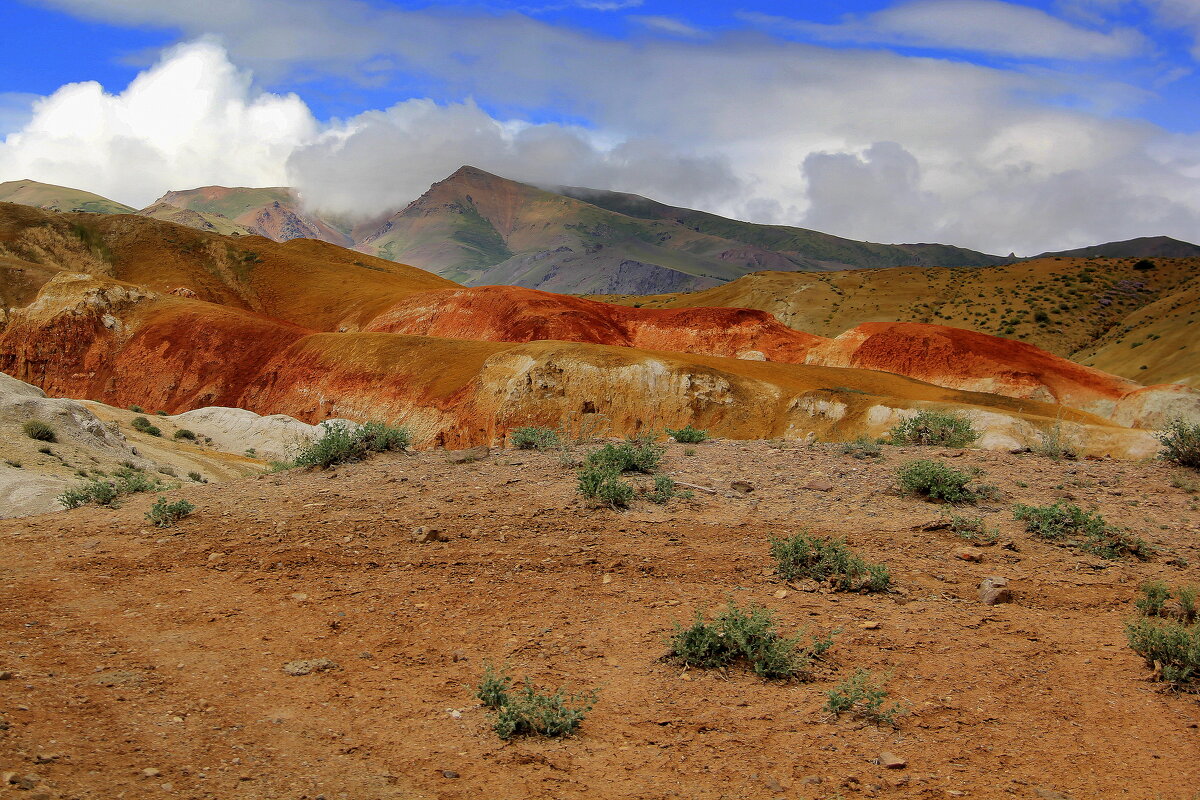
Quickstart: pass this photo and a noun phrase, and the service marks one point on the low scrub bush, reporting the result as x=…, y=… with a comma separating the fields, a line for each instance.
x=936, y=481
x=1166, y=634
x=531, y=438
x=632, y=455
x=163, y=514
x=184, y=433
x=863, y=697
x=827, y=559
x=862, y=448
x=603, y=484
x=341, y=444
x=106, y=491
x=1069, y=525
x=39, y=431
x=973, y=528
x=1057, y=444
x=1156, y=599
x=527, y=712
x=941, y=428
x=688, y=435
x=137, y=409
x=142, y=425
x=1181, y=444
x=749, y=636
x=664, y=489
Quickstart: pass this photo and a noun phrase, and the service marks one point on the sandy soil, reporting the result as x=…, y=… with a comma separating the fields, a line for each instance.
x=148, y=663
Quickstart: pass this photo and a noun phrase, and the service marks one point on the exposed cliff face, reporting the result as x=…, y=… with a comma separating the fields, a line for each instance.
x=122, y=345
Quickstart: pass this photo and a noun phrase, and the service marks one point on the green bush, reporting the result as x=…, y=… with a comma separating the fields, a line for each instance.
x=341, y=444
x=124, y=481
x=604, y=484
x=163, y=514
x=38, y=430
x=749, y=636
x=526, y=712
x=632, y=455
x=184, y=433
x=142, y=425
x=532, y=438
x=934, y=480
x=941, y=428
x=973, y=528
x=1181, y=444
x=664, y=489
x=1152, y=601
x=137, y=409
x=1172, y=647
x=827, y=559
x=1069, y=525
x=1056, y=444
x=863, y=697
x=688, y=435
x=195, y=476
x=862, y=448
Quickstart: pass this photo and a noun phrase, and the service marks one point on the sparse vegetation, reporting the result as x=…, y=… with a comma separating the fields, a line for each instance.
x=863, y=697
x=184, y=433
x=936, y=481
x=39, y=431
x=973, y=528
x=1181, y=444
x=1167, y=635
x=1069, y=525
x=1057, y=444
x=533, y=438
x=827, y=559
x=143, y=425
x=341, y=444
x=941, y=428
x=600, y=474
x=163, y=514
x=688, y=435
x=137, y=409
x=195, y=476
x=862, y=448
x=106, y=491
x=603, y=483
x=526, y=712
x=633, y=455
x=749, y=636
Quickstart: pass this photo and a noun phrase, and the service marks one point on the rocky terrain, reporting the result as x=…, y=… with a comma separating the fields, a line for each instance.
x=141, y=662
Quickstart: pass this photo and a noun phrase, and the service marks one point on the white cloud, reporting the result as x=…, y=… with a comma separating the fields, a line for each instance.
x=668, y=25
x=986, y=26
x=985, y=158
x=190, y=120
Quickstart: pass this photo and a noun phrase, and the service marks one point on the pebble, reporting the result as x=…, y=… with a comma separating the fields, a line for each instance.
x=741, y=486
x=151, y=772
x=425, y=535
x=308, y=666
x=968, y=554
x=890, y=761
x=449, y=773
x=994, y=590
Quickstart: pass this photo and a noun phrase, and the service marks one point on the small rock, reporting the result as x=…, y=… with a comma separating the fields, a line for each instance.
x=889, y=761
x=151, y=772
x=299, y=597
x=812, y=780
x=5, y=675
x=994, y=590
x=458, y=655
x=873, y=625
x=782, y=593
x=308, y=666
x=743, y=487
x=25, y=782
x=45, y=758
x=424, y=535
x=819, y=485
x=772, y=784
x=968, y=554
x=468, y=455
x=806, y=585
x=449, y=773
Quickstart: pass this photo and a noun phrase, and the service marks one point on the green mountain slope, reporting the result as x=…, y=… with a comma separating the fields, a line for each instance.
x=58, y=198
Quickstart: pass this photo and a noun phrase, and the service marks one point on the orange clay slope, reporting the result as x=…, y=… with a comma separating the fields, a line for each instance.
x=949, y=357
x=304, y=281
x=120, y=344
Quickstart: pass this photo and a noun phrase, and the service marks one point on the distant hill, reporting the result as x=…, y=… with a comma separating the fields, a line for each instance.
x=273, y=212
x=1145, y=247
x=200, y=220
x=58, y=198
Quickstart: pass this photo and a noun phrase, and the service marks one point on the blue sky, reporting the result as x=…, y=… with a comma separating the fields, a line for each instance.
x=1000, y=125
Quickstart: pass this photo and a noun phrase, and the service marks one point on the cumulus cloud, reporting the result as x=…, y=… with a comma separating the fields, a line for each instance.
x=988, y=26
x=190, y=120
x=744, y=124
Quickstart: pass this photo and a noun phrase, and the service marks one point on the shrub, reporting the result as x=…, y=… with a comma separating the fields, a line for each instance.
x=934, y=480
x=526, y=712
x=604, y=484
x=821, y=559
x=124, y=481
x=195, y=476
x=942, y=428
x=137, y=409
x=632, y=455
x=749, y=636
x=340, y=444
x=862, y=448
x=46, y=451
x=184, y=433
x=688, y=435
x=160, y=413
x=664, y=489
x=973, y=528
x=1153, y=598
x=531, y=438
x=1181, y=444
x=1172, y=648
x=863, y=696
x=1070, y=525
x=142, y=425
x=1145, y=265
x=164, y=514
x=1056, y=444
x=38, y=430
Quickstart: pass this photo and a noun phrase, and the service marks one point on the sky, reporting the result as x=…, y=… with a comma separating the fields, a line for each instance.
x=1000, y=126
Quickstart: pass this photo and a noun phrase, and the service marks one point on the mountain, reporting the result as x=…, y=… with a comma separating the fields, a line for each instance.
x=200, y=220
x=1144, y=247
x=58, y=198
x=479, y=229
x=273, y=212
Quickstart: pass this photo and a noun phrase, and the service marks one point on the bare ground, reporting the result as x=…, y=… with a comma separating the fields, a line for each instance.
x=147, y=663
